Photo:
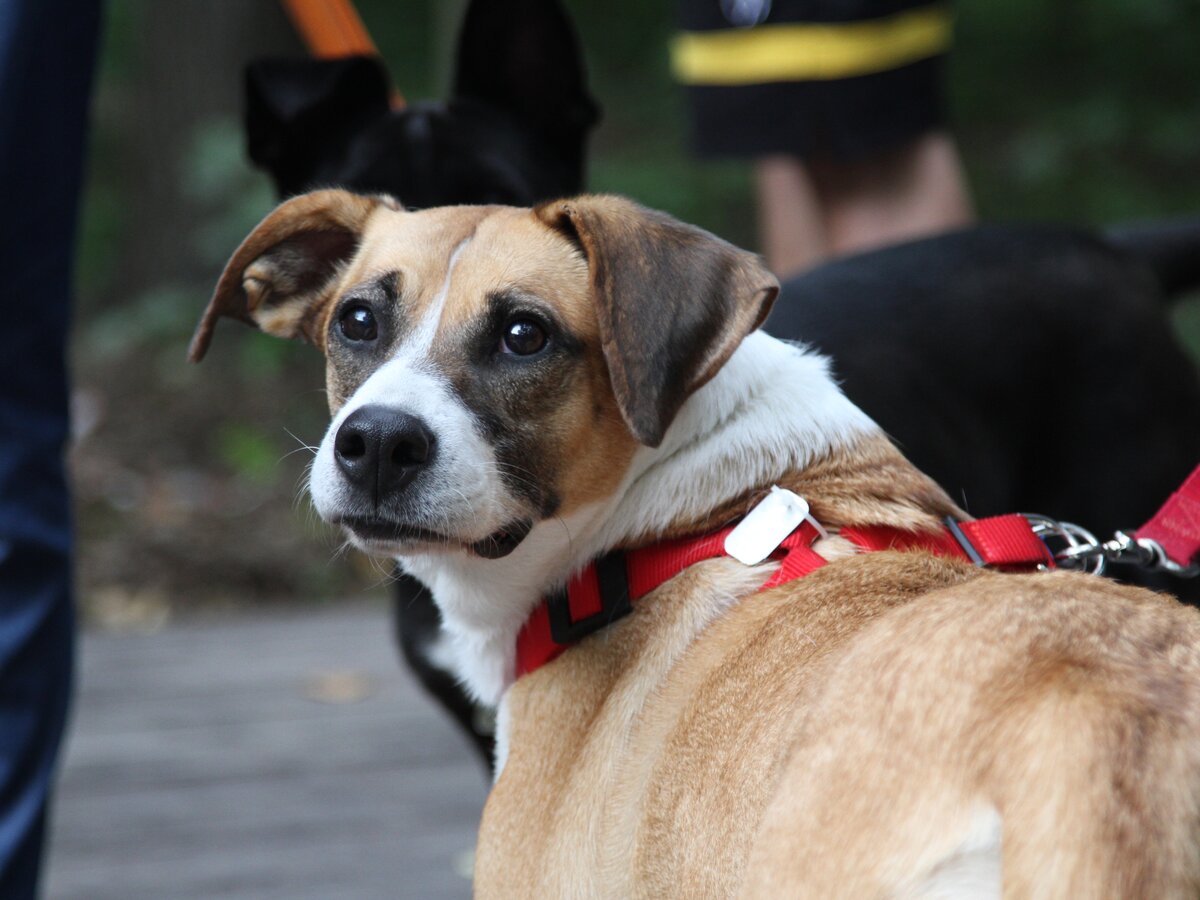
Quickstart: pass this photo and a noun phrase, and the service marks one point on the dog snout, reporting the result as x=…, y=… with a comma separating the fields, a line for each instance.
x=381, y=450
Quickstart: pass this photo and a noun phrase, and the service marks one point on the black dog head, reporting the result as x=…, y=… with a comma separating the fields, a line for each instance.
x=513, y=132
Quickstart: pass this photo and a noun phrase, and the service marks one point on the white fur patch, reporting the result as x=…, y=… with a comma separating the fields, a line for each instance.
x=484, y=602
x=773, y=408
x=972, y=870
x=502, y=733
x=421, y=340
x=461, y=493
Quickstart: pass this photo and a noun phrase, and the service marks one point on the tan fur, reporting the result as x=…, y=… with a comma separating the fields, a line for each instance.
x=688, y=776
x=881, y=728
x=1070, y=705
x=835, y=737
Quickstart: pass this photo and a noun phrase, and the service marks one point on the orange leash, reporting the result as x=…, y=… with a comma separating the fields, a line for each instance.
x=333, y=28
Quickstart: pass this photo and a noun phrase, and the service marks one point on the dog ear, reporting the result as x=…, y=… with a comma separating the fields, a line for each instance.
x=299, y=112
x=673, y=302
x=523, y=56
x=277, y=275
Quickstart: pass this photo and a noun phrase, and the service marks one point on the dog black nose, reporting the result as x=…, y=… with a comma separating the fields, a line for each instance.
x=381, y=450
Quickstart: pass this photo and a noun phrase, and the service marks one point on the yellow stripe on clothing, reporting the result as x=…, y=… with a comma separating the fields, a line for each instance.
x=808, y=52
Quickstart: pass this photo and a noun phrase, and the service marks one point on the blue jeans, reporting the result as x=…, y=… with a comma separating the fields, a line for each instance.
x=47, y=55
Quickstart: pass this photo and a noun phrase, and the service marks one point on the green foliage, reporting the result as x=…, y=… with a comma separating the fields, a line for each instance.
x=1069, y=110
x=260, y=356
x=1078, y=111
x=404, y=32
x=101, y=226
x=165, y=314
x=247, y=452
x=233, y=197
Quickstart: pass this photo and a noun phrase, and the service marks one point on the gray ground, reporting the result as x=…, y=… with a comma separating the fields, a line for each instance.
x=275, y=755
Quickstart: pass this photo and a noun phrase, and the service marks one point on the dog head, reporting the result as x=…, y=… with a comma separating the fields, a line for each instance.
x=514, y=130
x=488, y=367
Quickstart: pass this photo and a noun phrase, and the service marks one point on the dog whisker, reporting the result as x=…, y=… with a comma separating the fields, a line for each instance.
x=303, y=444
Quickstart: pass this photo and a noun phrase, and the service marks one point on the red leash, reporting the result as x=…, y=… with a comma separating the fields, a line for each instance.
x=1173, y=534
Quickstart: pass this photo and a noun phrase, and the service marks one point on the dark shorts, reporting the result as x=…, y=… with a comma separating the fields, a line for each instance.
x=828, y=79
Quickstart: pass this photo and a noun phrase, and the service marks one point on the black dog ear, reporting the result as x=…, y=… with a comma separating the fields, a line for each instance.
x=672, y=301
x=282, y=271
x=523, y=56
x=302, y=111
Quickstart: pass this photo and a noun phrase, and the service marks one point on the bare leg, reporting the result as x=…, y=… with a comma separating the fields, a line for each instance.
x=790, y=226
x=917, y=190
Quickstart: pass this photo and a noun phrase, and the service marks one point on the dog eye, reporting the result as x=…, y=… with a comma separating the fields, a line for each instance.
x=358, y=323
x=523, y=337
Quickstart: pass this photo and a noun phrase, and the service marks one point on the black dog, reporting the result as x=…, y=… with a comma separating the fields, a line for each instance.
x=514, y=131
x=1026, y=368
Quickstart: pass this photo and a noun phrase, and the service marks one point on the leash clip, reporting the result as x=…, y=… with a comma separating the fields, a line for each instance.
x=1147, y=553
x=1081, y=550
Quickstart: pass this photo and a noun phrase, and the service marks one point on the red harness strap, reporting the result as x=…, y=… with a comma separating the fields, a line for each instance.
x=1001, y=542
x=1176, y=527
x=605, y=590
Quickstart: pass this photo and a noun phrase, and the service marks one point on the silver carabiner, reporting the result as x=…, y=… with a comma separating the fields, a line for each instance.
x=1081, y=551
x=1149, y=554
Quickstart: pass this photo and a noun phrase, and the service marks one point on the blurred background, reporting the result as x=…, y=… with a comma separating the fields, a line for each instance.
x=189, y=478
x=255, y=742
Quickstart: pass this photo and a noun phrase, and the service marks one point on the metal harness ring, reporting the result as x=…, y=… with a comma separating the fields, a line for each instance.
x=1081, y=551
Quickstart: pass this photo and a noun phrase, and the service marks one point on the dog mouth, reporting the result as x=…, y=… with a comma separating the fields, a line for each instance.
x=503, y=542
x=378, y=530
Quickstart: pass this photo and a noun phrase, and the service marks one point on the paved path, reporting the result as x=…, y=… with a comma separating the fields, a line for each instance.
x=278, y=756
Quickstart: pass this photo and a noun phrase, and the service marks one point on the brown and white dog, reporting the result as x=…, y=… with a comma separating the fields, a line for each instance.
x=518, y=391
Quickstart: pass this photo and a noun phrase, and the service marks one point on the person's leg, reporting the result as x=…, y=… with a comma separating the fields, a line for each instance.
x=47, y=50
x=790, y=228
x=910, y=192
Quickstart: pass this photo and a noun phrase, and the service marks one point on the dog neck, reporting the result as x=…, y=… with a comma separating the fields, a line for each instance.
x=772, y=415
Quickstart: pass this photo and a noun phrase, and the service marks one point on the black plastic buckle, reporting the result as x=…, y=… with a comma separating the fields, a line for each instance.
x=614, y=602
x=967, y=547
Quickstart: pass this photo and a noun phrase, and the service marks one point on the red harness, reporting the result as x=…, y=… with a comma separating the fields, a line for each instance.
x=606, y=589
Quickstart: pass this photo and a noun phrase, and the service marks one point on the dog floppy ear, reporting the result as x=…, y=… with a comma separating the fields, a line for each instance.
x=275, y=278
x=673, y=302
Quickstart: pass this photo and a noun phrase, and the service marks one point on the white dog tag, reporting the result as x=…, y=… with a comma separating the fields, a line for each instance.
x=768, y=524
